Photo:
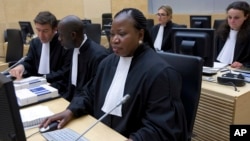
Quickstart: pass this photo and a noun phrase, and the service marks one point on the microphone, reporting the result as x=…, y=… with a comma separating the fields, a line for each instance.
x=124, y=100
x=14, y=65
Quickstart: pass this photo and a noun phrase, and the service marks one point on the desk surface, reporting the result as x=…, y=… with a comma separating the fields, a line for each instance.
x=100, y=131
x=219, y=107
x=3, y=65
x=224, y=90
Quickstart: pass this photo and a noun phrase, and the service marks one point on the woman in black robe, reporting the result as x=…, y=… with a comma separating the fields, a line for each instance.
x=233, y=36
x=154, y=111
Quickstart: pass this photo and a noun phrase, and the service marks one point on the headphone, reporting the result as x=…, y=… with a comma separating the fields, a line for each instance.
x=231, y=79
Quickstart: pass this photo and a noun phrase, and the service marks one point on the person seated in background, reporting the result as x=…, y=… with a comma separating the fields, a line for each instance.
x=161, y=33
x=233, y=38
x=154, y=111
x=46, y=56
x=86, y=56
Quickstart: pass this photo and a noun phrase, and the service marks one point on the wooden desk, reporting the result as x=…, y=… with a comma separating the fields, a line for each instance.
x=219, y=107
x=3, y=66
x=97, y=133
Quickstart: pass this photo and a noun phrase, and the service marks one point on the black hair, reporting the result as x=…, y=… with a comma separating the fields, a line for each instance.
x=45, y=17
x=224, y=30
x=140, y=22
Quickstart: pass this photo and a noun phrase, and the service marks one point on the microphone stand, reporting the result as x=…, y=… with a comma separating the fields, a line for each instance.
x=124, y=99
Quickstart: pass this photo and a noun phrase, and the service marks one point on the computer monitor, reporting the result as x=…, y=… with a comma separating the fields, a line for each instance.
x=106, y=20
x=86, y=21
x=196, y=42
x=11, y=128
x=26, y=28
x=200, y=21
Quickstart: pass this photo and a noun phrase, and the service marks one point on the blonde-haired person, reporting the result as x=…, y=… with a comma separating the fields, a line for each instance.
x=161, y=33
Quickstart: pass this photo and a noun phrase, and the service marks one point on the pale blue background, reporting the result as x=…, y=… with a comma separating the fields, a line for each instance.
x=191, y=6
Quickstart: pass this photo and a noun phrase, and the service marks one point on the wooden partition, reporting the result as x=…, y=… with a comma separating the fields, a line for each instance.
x=117, y=5
x=12, y=11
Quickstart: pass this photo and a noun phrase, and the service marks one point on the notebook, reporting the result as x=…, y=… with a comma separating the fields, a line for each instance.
x=35, y=95
x=29, y=82
x=213, y=70
x=33, y=116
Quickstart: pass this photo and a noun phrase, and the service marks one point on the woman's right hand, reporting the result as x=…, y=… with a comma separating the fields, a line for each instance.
x=63, y=118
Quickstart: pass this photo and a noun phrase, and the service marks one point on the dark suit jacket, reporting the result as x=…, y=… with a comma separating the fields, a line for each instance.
x=166, y=42
x=59, y=60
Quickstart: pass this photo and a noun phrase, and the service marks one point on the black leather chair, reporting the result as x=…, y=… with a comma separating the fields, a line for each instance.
x=93, y=32
x=217, y=23
x=5, y=36
x=150, y=24
x=15, y=46
x=180, y=26
x=190, y=68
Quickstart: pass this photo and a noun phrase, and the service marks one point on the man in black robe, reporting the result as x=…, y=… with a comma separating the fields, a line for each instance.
x=58, y=58
x=90, y=54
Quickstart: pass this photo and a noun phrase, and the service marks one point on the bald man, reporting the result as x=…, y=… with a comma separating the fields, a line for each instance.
x=86, y=56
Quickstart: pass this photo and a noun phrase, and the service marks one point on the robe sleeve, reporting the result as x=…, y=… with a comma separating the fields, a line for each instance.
x=82, y=101
x=164, y=118
x=58, y=74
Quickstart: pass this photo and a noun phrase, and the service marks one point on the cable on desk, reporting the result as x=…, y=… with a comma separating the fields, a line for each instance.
x=231, y=84
x=32, y=134
x=210, y=79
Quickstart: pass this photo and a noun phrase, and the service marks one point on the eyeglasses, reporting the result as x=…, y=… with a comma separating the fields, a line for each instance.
x=161, y=14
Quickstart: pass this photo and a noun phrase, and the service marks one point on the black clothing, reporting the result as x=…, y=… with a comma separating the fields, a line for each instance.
x=154, y=111
x=166, y=40
x=91, y=54
x=241, y=52
x=59, y=60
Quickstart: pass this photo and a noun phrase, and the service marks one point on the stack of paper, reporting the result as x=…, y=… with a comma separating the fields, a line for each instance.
x=29, y=82
x=33, y=95
x=217, y=66
x=33, y=116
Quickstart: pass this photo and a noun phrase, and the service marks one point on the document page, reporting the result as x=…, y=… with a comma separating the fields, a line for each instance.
x=33, y=116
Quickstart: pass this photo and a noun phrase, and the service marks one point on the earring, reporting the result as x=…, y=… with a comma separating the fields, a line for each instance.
x=140, y=42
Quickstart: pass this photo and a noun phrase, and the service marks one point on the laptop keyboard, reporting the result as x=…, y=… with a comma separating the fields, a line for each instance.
x=64, y=134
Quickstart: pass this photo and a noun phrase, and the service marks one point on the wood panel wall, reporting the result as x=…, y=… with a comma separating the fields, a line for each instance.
x=12, y=11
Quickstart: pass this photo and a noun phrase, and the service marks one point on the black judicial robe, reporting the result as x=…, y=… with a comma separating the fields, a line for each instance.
x=241, y=52
x=154, y=111
x=60, y=59
x=91, y=54
x=166, y=40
